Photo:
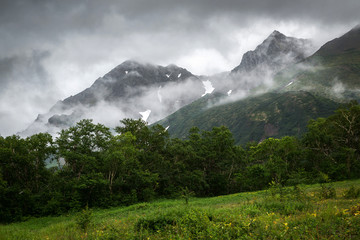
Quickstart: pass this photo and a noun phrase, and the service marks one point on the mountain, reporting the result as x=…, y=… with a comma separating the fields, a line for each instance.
x=276, y=51
x=333, y=71
x=129, y=90
x=311, y=88
x=126, y=81
x=133, y=89
x=274, y=91
x=257, y=67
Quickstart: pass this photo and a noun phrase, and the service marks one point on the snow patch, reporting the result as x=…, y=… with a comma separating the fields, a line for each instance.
x=289, y=84
x=179, y=75
x=133, y=73
x=168, y=75
x=229, y=92
x=208, y=87
x=167, y=128
x=145, y=115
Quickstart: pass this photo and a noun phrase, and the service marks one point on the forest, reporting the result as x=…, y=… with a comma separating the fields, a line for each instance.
x=90, y=165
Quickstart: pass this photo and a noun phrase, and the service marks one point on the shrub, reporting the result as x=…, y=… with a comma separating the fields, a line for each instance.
x=327, y=191
x=352, y=192
x=159, y=221
x=84, y=218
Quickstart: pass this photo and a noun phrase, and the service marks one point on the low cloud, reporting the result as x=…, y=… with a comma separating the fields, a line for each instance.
x=173, y=95
x=23, y=87
x=58, y=48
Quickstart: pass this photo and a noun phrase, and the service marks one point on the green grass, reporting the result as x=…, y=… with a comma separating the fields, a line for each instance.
x=277, y=213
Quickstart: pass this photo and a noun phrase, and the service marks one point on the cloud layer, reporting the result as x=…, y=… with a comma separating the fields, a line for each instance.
x=53, y=49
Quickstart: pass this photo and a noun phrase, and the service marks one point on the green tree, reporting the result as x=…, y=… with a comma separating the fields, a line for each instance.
x=121, y=150
x=216, y=156
x=40, y=148
x=151, y=144
x=333, y=143
x=82, y=146
x=23, y=175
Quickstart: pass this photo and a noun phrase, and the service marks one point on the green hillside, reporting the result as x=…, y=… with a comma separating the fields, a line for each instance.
x=321, y=211
x=252, y=119
x=333, y=71
x=332, y=76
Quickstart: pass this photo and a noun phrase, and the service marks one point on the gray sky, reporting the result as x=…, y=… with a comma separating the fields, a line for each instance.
x=50, y=50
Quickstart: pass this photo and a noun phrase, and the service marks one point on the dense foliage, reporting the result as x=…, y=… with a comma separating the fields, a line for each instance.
x=99, y=169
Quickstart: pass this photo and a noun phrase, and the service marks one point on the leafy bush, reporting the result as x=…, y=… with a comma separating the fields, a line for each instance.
x=196, y=222
x=327, y=192
x=158, y=222
x=352, y=192
x=84, y=218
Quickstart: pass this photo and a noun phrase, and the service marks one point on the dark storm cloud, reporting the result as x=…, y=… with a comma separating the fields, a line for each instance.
x=41, y=24
x=31, y=23
x=52, y=49
x=23, y=70
x=54, y=17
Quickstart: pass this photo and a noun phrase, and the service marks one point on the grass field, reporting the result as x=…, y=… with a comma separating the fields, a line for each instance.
x=328, y=211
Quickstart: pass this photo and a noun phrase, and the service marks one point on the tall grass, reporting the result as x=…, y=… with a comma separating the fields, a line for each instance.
x=277, y=213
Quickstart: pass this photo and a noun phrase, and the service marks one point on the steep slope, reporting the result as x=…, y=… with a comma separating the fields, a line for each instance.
x=257, y=67
x=333, y=71
x=276, y=51
x=128, y=91
x=254, y=118
x=348, y=42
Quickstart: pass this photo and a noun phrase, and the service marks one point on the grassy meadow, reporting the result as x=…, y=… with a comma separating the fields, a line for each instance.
x=321, y=211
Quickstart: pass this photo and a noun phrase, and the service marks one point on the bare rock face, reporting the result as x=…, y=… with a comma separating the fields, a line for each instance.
x=258, y=66
x=128, y=89
x=127, y=80
x=275, y=52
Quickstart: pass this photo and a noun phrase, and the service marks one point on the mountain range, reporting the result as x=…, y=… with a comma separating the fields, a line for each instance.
x=310, y=88
x=274, y=91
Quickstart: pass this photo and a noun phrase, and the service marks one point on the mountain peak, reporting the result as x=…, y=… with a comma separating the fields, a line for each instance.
x=271, y=52
x=130, y=64
x=172, y=66
x=276, y=34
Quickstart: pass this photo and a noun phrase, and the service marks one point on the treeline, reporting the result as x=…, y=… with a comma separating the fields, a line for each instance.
x=99, y=168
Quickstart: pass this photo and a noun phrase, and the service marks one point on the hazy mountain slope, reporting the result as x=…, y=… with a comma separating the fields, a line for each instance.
x=124, y=92
x=257, y=67
x=126, y=80
x=254, y=118
x=276, y=51
x=333, y=71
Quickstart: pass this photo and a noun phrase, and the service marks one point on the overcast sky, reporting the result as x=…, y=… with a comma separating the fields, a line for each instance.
x=50, y=50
